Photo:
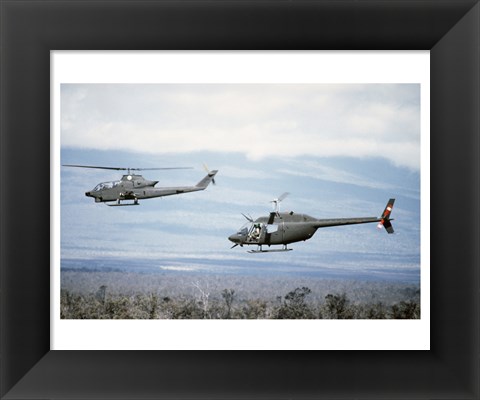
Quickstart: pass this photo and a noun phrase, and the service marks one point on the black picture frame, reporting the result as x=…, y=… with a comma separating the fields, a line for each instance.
x=30, y=29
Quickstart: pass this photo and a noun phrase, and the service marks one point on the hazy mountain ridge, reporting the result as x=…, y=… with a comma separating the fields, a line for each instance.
x=253, y=266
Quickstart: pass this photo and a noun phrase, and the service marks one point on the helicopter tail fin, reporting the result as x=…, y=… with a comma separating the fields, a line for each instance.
x=385, y=218
x=206, y=181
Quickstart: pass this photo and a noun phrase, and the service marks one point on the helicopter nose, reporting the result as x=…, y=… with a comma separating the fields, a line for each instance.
x=88, y=194
x=234, y=238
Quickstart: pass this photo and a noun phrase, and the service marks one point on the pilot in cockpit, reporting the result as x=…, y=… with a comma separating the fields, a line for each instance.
x=256, y=231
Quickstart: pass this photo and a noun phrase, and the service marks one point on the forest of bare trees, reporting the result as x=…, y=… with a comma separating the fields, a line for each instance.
x=195, y=297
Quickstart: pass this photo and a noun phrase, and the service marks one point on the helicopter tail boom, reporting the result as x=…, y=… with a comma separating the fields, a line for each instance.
x=383, y=221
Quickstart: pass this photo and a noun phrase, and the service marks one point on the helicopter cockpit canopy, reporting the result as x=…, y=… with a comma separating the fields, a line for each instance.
x=251, y=230
x=244, y=229
x=105, y=185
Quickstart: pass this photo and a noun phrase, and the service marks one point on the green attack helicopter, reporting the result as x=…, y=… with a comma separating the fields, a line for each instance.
x=283, y=228
x=136, y=187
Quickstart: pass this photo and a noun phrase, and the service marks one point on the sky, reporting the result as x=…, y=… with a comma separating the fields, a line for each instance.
x=340, y=150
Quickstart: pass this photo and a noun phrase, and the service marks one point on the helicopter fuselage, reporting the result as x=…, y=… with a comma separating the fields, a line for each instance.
x=135, y=187
x=288, y=227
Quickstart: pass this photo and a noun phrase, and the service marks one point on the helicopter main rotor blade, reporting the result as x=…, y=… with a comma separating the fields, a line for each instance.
x=157, y=169
x=123, y=168
x=276, y=202
x=282, y=196
x=91, y=166
x=250, y=219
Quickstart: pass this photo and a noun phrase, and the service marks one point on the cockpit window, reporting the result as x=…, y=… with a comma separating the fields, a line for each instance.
x=251, y=230
x=105, y=185
x=243, y=230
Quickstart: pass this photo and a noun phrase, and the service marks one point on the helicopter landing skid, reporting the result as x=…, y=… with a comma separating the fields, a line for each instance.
x=260, y=250
x=123, y=205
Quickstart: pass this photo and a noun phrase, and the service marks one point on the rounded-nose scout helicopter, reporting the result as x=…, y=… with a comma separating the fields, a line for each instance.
x=135, y=187
x=283, y=228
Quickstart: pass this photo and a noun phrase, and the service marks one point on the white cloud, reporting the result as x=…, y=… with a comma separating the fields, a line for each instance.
x=256, y=120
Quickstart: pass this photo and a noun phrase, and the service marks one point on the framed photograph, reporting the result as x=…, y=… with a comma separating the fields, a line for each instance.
x=307, y=129
x=378, y=109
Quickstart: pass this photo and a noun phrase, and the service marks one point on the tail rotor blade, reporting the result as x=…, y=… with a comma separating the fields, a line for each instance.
x=205, y=167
